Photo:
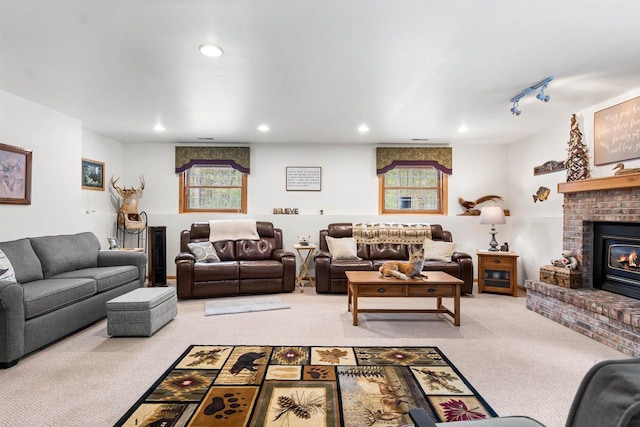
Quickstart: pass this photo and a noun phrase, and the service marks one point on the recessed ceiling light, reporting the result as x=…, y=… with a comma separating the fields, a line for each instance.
x=211, y=50
x=159, y=128
x=263, y=128
x=363, y=128
x=463, y=128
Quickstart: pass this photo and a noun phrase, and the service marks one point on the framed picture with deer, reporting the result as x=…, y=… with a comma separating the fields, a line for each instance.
x=15, y=175
x=92, y=175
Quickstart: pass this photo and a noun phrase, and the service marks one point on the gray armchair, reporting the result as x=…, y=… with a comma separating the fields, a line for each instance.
x=608, y=396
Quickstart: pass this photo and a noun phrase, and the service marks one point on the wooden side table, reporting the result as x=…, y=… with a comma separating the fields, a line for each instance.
x=305, y=258
x=498, y=272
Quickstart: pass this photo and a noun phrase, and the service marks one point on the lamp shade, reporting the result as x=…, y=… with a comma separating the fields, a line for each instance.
x=492, y=215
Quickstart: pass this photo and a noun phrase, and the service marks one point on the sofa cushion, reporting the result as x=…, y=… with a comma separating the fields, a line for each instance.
x=106, y=277
x=249, y=250
x=224, y=270
x=438, y=251
x=339, y=267
x=47, y=295
x=388, y=251
x=59, y=254
x=265, y=269
x=7, y=273
x=24, y=260
x=342, y=248
x=203, y=252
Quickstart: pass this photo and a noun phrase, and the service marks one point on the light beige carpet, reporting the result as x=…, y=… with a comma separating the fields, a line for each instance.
x=519, y=361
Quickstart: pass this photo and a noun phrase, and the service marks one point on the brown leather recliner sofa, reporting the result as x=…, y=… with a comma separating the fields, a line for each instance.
x=245, y=266
x=330, y=277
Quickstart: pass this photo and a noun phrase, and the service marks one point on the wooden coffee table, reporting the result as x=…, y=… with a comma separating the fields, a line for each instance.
x=434, y=284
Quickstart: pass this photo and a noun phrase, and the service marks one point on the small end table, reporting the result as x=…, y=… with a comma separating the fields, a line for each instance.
x=498, y=272
x=304, y=274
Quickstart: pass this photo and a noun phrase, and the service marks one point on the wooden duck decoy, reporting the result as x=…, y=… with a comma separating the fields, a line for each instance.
x=622, y=171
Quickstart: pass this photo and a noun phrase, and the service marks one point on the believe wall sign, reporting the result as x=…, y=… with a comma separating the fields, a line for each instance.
x=616, y=132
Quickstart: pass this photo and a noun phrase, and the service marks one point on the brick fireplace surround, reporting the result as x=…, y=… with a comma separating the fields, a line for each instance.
x=609, y=318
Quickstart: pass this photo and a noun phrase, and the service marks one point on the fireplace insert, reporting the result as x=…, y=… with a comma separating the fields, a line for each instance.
x=616, y=257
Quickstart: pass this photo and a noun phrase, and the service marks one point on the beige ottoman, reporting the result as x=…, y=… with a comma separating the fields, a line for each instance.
x=141, y=312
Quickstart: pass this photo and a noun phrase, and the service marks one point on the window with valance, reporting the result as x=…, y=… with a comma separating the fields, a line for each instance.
x=413, y=180
x=213, y=179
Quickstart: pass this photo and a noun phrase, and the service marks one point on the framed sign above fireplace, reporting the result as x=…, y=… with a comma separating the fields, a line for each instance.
x=616, y=133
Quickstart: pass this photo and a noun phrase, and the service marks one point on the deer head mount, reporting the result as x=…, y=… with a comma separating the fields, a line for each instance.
x=129, y=206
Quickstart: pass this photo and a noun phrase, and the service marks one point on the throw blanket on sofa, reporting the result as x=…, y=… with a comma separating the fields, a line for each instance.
x=391, y=232
x=233, y=229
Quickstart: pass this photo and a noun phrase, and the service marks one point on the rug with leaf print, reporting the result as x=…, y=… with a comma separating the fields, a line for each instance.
x=227, y=385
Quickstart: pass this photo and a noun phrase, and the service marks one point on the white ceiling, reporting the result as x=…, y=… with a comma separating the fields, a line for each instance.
x=314, y=70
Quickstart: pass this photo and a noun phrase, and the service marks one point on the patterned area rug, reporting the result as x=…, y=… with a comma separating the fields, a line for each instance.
x=234, y=386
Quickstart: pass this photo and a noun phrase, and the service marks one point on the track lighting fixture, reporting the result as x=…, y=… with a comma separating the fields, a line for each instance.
x=542, y=85
x=541, y=96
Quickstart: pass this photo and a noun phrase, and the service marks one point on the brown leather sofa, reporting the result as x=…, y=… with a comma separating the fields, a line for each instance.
x=330, y=277
x=245, y=266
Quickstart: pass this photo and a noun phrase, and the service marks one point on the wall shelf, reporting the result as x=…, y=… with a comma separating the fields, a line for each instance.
x=607, y=183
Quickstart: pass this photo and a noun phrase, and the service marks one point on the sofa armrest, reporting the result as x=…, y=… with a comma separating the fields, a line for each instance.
x=110, y=258
x=288, y=260
x=11, y=323
x=456, y=256
x=465, y=262
x=185, y=256
x=323, y=271
x=185, y=263
x=278, y=254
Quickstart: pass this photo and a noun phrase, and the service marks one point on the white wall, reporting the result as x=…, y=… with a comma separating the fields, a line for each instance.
x=58, y=143
x=349, y=184
x=55, y=140
x=98, y=207
x=349, y=190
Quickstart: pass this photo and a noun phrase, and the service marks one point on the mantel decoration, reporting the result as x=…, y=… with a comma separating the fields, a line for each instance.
x=577, y=163
x=15, y=177
x=621, y=170
x=92, y=175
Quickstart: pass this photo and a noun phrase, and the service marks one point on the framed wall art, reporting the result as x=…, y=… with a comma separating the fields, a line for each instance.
x=616, y=134
x=15, y=175
x=305, y=178
x=92, y=175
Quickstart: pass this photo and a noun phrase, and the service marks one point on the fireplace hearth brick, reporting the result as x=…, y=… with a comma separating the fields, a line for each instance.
x=606, y=317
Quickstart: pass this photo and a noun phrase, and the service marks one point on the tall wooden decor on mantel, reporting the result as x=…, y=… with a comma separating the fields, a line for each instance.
x=577, y=163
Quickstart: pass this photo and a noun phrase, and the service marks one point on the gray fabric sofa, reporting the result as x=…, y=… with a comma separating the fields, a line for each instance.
x=62, y=284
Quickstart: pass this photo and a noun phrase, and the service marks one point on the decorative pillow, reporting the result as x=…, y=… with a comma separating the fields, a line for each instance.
x=203, y=251
x=438, y=251
x=6, y=269
x=342, y=248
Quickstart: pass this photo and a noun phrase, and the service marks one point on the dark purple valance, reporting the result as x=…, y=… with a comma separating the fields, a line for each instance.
x=438, y=157
x=235, y=157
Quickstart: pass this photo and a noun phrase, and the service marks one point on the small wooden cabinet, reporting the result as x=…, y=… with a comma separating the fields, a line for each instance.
x=498, y=272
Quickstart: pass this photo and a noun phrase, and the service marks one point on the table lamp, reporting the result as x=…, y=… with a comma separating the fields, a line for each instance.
x=492, y=215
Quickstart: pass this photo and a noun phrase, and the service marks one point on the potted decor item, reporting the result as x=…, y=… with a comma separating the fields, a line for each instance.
x=304, y=241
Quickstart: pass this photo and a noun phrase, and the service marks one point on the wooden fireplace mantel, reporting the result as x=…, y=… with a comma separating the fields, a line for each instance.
x=607, y=183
